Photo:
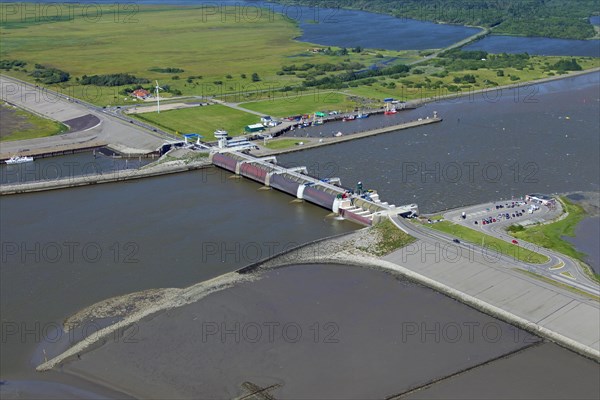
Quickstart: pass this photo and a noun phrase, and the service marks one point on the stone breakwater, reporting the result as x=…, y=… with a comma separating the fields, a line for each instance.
x=109, y=177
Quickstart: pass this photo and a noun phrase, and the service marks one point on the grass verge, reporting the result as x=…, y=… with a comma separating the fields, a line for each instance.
x=551, y=235
x=17, y=124
x=489, y=242
x=281, y=144
x=390, y=238
x=558, y=284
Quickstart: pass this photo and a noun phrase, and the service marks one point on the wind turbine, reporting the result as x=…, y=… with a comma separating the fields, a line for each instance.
x=158, y=97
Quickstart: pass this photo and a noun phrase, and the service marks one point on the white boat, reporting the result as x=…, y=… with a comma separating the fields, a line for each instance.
x=19, y=160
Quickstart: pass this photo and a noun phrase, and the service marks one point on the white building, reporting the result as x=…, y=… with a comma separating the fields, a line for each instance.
x=540, y=199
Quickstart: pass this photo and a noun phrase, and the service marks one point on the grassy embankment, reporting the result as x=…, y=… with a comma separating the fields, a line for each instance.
x=489, y=242
x=279, y=144
x=389, y=239
x=551, y=235
x=17, y=124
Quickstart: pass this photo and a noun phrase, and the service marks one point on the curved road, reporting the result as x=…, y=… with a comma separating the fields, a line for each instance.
x=128, y=136
x=549, y=269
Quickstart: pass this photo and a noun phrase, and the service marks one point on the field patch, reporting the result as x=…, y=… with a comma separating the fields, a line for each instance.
x=17, y=124
x=201, y=120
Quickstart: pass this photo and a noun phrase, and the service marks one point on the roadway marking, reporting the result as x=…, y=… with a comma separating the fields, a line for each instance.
x=557, y=266
x=568, y=275
x=570, y=282
x=95, y=126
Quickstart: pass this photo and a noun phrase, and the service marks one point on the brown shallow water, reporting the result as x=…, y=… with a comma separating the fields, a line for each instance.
x=546, y=371
x=164, y=232
x=315, y=331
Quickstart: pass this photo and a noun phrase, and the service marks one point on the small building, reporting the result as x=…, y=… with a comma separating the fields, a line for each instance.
x=541, y=199
x=268, y=121
x=254, y=128
x=141, y=94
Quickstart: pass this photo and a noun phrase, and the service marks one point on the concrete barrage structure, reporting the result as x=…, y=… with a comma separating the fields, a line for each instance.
x=364, y=208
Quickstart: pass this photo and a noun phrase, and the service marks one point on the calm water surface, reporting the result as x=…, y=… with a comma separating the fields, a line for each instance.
x=81, y=164
x=337, y=332
x=67, y=249
x=537, y=46
x=540, y=138
x=586, y=241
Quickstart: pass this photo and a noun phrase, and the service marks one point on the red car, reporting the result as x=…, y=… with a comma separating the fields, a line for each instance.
x=515, y=242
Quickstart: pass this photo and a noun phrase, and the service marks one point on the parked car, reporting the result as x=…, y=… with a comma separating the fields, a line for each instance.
x=456, y=240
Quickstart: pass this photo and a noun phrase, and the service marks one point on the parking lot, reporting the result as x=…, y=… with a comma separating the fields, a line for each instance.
x=503, y=214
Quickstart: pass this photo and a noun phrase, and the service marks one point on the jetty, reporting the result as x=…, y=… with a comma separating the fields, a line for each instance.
x=108, y=177
x=312, y=142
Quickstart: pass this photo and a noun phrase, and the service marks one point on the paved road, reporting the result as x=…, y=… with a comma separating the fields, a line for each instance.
x=570, y=272
x=445, y=243
x=557, y=313
x=463, y=42
x=111, y=128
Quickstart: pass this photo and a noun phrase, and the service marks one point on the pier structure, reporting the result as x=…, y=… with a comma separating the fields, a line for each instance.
x=365, y=208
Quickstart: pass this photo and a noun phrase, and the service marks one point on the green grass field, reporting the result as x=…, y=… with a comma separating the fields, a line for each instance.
x=189, y=38
x=279, y=144
x=303, y=104
x=489, y=242
x=16, y=124
x=201, y=120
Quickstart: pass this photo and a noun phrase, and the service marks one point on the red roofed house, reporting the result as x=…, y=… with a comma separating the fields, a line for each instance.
x=140, y=93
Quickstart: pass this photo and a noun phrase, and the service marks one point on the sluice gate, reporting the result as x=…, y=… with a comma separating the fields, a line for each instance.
x=364, y=208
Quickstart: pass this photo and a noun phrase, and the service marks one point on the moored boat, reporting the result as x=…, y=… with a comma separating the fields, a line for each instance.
x=19, y=159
